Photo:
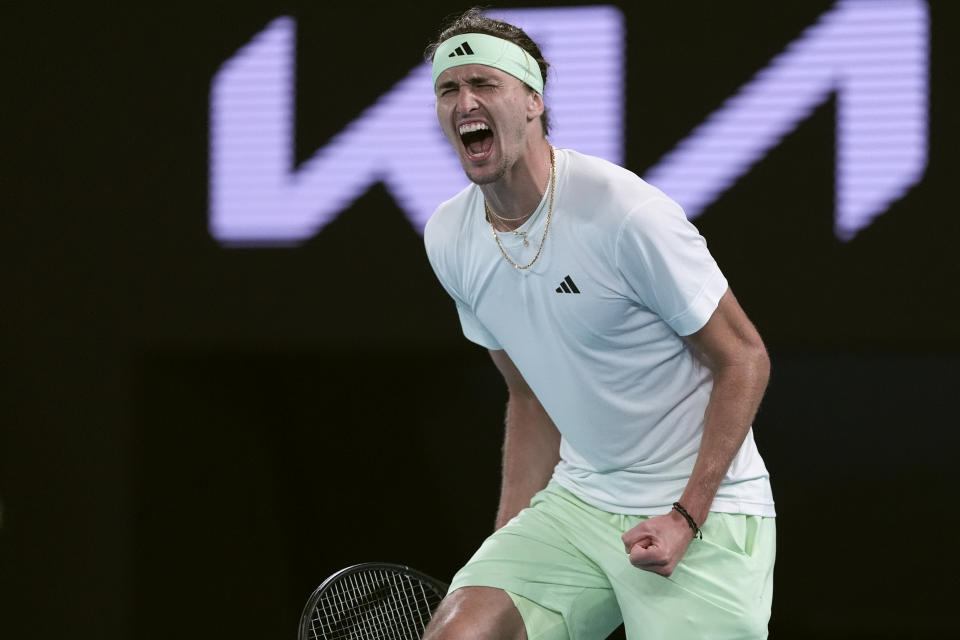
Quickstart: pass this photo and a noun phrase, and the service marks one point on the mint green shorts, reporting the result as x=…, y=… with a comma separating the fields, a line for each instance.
x=563, y=564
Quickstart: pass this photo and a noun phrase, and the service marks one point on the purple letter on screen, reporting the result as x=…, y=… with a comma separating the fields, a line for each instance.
x=874, y=55
x=258, y=196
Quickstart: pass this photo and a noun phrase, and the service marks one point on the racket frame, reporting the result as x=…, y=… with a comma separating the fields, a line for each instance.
x=306, y=618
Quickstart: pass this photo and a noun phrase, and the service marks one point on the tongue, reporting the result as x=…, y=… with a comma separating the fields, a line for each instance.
x=480, y=147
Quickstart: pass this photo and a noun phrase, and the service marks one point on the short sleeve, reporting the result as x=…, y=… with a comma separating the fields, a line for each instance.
x=474, y=330
x=665, y=261
x=471, y=326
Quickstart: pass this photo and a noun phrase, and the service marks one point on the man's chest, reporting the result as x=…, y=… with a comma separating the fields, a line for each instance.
x=569, y=296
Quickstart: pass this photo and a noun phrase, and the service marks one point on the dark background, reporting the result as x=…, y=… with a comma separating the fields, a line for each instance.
x=193, y=437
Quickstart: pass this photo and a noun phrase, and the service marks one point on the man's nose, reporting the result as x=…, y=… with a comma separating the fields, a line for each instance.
x=466, y=101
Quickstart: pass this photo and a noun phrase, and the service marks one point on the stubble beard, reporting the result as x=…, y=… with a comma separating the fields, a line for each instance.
x=489, y=178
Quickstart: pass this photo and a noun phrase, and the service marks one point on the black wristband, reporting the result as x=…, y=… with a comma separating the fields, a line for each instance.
x=686, y=516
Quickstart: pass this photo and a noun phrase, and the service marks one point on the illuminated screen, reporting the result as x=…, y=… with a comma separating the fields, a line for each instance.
x=258, y=197
x=872, y=55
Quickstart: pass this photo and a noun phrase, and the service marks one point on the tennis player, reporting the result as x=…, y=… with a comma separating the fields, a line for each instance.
x=632, y=486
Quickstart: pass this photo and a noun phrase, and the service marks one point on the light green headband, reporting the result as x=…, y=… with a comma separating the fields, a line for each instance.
x=480, y=48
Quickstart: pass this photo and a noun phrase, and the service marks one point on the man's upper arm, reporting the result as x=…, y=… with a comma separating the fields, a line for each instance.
x=728, y=337
x=511, y=375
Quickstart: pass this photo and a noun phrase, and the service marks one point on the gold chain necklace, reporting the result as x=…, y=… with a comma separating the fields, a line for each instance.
x=507, y=221
x=546, y=227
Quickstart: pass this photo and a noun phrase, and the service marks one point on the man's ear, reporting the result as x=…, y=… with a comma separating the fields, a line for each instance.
x=534, y=105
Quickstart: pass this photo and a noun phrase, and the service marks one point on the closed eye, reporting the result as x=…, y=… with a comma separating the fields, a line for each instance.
x=446, y=88
x=450, y=87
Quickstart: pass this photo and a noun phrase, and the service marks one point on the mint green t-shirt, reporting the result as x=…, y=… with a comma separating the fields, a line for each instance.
x=595, y=326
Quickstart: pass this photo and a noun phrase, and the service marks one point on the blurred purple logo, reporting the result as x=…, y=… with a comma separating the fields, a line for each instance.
x=258, y=197
x=872, y=55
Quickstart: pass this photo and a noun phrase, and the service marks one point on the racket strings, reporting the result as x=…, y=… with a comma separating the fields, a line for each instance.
x=374, y=604
x=365, y=608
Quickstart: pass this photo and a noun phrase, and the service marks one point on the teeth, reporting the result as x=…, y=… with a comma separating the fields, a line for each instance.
x=472, y=126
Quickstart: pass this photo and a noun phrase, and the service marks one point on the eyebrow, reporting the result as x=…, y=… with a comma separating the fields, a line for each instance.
x=472, y=80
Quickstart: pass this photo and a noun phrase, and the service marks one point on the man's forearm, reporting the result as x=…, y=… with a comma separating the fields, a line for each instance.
x=531, y=449
x=736, y=395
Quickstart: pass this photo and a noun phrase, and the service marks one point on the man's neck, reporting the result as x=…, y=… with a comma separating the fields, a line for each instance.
x=518, y=193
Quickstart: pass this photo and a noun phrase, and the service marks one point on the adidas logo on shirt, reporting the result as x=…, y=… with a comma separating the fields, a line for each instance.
x=463, y=50
x=567, y=286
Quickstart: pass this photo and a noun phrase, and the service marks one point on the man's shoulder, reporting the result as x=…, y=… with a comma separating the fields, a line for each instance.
x=592, y=171
x=610, y=185
x=449, y=217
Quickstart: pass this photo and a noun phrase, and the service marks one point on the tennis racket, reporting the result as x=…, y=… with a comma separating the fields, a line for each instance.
x=370, y=601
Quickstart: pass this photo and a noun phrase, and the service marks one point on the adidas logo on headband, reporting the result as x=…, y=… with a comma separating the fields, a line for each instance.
x=463, y=50
x=482, y=48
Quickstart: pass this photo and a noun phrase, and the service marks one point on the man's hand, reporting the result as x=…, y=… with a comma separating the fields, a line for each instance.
x=658, y=544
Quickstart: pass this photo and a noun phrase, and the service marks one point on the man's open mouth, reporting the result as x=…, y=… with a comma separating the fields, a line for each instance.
x=477, y=139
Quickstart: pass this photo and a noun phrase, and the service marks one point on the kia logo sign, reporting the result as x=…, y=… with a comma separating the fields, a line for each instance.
x=872, y=55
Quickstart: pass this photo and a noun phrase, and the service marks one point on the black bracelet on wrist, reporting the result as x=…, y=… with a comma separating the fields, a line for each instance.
x=686, y=516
